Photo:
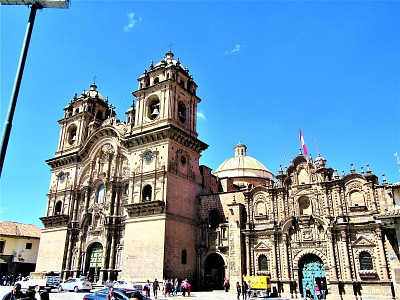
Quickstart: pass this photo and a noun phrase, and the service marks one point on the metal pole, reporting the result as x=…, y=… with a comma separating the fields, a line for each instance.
x=17, y=84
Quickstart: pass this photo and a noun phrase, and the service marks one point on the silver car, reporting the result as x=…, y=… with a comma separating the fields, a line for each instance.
x=75, y=284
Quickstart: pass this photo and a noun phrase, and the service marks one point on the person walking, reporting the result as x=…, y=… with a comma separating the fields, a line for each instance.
x=156, y=287
x=317, y=291
x=308, y=292
x=226, y=284
x=146, y=289
x=322, y=287
x=244, y=290
x=188, y=287
x=238, y=290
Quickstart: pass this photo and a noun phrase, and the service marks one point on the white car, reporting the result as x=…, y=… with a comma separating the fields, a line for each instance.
x=75, y=284
x=129, y=285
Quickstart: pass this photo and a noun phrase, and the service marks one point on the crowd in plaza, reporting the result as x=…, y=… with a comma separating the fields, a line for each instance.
x=170, y=287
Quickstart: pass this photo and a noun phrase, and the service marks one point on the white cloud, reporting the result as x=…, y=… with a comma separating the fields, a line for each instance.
x=235, y=49
x=131, y=21
x=200, y=115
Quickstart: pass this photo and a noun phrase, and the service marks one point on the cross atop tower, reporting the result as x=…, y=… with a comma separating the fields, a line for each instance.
x=170, y=46
x=94, y=79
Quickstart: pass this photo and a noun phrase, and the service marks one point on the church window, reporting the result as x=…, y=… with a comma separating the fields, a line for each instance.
x=72, y=134
x=184, y=257
x=303, y=177
x=153, y=109
x=99, y=114
x=357, y=199
x=147, y=193
x=28, y=246
x=58, y=208
x=100, y=194
x=77, y=111
x=365, y=261
x=305, y=206
x=261, y=209
x=126, y=189
x=181, y=112
x=262, y=263
x=156, y=80
x=213, y=219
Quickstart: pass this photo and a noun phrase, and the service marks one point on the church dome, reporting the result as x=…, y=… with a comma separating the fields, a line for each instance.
x=92, y=93
x=242, y=166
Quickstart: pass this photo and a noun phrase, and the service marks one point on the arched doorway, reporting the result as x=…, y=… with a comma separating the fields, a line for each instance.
x=311, y=271
x=94, y=261
x=214, y=271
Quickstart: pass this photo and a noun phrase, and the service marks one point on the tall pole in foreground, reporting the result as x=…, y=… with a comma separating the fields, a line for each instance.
x=17, y=83
x=35, y=5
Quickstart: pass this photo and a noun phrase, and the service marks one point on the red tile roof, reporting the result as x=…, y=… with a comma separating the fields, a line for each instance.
x=8, y=228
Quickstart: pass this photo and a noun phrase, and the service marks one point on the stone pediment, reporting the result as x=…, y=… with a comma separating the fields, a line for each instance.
x=261, y=246
x=363, y=242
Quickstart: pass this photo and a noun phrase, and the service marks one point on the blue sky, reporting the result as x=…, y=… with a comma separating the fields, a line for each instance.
x=264, y=69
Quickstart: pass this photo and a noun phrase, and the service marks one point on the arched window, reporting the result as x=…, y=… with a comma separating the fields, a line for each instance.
x=303, y=177
x=181, y=112
x=126, y=189
x=184, y=257
x=100, y=194
x=156, y=80
x=261, y=209
x=262, y=263
x=147, y=192
x=366, y=261
x=357, y=199
x=58, y=208
x=305, y=206
x=213, y=219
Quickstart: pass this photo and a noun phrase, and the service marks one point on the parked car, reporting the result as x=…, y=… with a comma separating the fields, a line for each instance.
x=129, y=285
x=75, y=284
x=119, y=294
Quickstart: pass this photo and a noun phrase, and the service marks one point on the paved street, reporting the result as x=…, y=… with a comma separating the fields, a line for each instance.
x=215, y=295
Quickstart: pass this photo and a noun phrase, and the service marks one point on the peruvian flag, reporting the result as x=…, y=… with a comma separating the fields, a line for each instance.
x=303, y=143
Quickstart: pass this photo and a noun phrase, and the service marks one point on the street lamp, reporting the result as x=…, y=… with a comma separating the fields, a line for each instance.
x=35, y=5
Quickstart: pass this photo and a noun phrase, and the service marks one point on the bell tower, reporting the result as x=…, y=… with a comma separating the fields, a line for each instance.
x=167, y=176
x=166, y=95
x=82, y=115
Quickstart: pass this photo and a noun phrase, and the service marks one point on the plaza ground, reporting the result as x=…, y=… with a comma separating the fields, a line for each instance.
x=214, y=295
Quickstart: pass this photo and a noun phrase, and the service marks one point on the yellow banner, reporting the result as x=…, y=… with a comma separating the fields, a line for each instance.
x=258, y=282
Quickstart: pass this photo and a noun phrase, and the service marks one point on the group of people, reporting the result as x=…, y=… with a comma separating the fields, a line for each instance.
x=10, y=279
x=17, y=294
x=319, y=290
x=243, y=289
x=170, y=287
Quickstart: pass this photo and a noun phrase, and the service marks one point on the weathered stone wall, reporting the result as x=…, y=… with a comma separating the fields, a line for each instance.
x=51, y=249
x=143, y=253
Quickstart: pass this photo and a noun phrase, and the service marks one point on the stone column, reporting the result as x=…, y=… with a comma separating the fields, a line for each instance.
x=67, y=265
x=78, y=257
x=331, y=254
x=103, y=269
x=248, y=258
x=345, y=253
x=285, y=261
x=382, y=256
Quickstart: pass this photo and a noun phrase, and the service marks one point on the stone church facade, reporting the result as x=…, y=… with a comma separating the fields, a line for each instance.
x=129, y=199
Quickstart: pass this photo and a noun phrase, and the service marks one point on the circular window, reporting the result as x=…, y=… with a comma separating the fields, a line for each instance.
x=183, y=160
